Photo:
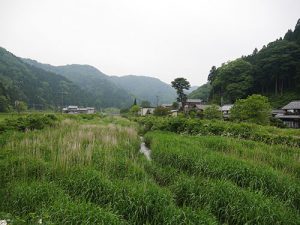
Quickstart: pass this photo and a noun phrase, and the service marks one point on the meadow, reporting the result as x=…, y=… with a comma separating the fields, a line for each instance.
x=87, y=169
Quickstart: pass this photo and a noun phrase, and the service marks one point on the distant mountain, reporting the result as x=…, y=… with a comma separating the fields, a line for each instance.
x=146, y=88
x=112, y=90
x=40, y=89
x=90, y=79
x=192, y=88
x=201, y=92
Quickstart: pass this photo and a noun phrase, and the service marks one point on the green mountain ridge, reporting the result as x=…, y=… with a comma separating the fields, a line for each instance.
x=113, y=90
x=90, y=79
x=38, y=88
x=146, y=88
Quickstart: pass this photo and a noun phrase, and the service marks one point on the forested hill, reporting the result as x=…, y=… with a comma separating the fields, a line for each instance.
x=146, y=88
x=38, y=88
x=112, y=90
x=105, y=92
x=201, y=92
x=273, y=71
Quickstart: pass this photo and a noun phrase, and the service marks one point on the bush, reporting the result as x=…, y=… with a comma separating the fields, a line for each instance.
x=212, y=112
x=29, y=122
x=269, y=135
x=161, y=111
x=254, y=109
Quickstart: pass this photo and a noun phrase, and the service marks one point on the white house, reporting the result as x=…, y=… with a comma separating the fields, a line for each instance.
x=225, y=110
x=146, y=111
x=72, y=109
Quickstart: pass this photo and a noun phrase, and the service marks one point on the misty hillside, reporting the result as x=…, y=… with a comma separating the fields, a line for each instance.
x=38, y=88
x=146, y=88
x=105, y=92
x=112, y=90
x=201, y=92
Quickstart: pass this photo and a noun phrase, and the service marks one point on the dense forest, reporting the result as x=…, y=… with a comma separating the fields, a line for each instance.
x=39, y=89
x=96, y=83
x=273, y=71
x=113, y=91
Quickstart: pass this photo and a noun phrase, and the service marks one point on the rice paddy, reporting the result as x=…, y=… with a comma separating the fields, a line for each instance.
x=89, y=170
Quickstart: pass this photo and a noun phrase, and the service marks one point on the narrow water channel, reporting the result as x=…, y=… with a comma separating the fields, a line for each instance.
x=144, y=149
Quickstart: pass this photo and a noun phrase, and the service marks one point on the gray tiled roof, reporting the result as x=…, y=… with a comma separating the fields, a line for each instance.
x=226, y=107
x=292, y=105
x=194, y=100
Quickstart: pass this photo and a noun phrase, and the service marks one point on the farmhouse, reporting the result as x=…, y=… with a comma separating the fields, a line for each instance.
x=225, y=110
x=146, y=111
x=291, y=114
x=193, y=103
x=168, y=106
x=72, y=109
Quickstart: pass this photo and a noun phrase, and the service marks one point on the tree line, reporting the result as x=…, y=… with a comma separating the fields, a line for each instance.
x=273, y=71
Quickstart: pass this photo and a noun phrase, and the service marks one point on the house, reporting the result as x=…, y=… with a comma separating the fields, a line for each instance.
x=168, y=106
x=146, y=111
x=72, y=109
x=277, y=111
x=192, y=103
x=291, y=114
x=174, y=112
x=225, y=110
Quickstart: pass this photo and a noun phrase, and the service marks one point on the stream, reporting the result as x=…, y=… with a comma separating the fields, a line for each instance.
x=144, y=149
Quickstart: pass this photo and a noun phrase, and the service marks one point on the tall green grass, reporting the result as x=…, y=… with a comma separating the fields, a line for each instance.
x=85, y=170
x=185, y=154
x=266, y=134
x=230, y=204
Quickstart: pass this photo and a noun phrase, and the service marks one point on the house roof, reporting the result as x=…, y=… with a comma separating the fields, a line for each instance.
x=72, y=107
x=281, y=116
x=226, y=107
x=194, y=100
x=292, y=105
x=202, y=107
x=166, y=105
x=277, y=111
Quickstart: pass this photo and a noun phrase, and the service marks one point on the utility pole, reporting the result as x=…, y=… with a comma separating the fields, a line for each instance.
x=157, y=100
x=62, y=99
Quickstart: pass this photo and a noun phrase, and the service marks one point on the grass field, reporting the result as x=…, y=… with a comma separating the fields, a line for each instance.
x=88, y=170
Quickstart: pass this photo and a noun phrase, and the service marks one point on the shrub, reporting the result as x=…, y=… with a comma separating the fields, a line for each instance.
x=29, y=122
x=161, y=111
x=254, y=109
x=212, y=112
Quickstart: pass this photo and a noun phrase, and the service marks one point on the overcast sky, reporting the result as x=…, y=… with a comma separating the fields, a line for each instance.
x=160, y=38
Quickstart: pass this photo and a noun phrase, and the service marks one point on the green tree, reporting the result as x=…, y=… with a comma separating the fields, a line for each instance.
x=254, y=109
x=175, y=105
x=233, y=80
x=161, y=111
x=20, y=106
x=134, y=110
x=212, y=112
x=181, y=84
x=4, y=104
x=145, y=104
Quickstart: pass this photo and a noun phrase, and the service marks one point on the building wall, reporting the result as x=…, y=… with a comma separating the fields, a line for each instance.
x=292, y=123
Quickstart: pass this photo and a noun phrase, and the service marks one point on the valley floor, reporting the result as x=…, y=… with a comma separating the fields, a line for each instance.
x=89, y=170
